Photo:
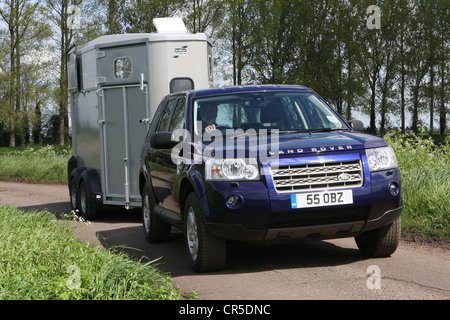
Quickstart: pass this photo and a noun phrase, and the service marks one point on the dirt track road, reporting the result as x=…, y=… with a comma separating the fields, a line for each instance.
x=309, y=270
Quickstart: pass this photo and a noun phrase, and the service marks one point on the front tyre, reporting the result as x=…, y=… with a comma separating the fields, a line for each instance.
x=155, y=229
x=206, y=252
x=380, y=242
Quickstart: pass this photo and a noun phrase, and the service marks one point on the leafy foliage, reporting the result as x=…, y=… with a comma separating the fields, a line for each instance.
x=37, y=164
x=425, y=169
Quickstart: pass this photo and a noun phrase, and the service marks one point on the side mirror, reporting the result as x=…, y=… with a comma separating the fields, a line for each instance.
x=162, y=140
x=357, y=125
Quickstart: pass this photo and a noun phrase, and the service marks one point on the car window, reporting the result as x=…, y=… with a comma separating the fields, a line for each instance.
x=166, y=116
x=282, y=111
x=178, y=118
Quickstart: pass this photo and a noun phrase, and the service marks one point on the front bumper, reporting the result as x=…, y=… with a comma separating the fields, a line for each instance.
x=239, y=232
x=265, y=214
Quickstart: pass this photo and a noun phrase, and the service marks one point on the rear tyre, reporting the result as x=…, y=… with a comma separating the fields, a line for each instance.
x=73, y=192
x=206, y=252
x=74, y=180
x=380, y=242
x=86, y=207
x=155, y=229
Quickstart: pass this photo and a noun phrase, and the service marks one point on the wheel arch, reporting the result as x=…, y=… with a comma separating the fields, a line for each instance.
x=186, y=188
x=93, y=183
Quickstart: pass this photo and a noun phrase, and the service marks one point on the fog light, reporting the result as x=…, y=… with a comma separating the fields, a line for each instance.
x=234, y=201
x=394, y=189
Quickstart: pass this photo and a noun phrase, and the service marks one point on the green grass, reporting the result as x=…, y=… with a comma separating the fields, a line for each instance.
x=425, y=169
x=35, y=164
x=41, y=259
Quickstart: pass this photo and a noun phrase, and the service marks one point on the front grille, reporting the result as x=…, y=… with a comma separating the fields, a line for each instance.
x=318, y=216
x=295, y=178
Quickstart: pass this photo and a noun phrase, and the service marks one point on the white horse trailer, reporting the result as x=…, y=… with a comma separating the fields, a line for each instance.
x=116, y=84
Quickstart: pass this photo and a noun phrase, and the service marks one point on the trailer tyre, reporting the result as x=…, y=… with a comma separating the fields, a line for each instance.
x=86, y=206
x=155, y=229
x=73, y=192
x=74, y=180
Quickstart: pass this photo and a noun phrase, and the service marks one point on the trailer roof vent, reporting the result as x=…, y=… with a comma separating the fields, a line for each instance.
x=169, y=25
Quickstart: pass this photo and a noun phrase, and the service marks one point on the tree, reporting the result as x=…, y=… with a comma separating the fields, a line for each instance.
x=139, y=14
x=403, y=25
x=442, y=25
x=204, y=15
x=389, y=57
x=275, y=49
x=371, y=58
x=38, y=83
x=63, y=13
x=23, y=19
x=417, y=62
x=236, y=35
x=114, y=15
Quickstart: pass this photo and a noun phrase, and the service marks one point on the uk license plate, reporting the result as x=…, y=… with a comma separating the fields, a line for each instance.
x=321, y=199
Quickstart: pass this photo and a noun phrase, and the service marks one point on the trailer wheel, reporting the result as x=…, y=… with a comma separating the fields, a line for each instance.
x=206, y=251
x=86, y=207
x=74, y=181
x=155, y=229
x=73, y=192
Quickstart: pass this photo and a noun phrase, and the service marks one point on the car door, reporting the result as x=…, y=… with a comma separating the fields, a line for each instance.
x=163, y=165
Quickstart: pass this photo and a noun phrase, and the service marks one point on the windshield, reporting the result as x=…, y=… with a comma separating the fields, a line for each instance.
x=283, y=111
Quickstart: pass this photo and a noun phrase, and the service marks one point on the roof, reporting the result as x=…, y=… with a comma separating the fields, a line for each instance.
x=131, y=38
x=250, y=88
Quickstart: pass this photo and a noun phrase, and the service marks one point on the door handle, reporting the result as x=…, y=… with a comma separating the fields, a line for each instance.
x=145, y=121
x=143, y=86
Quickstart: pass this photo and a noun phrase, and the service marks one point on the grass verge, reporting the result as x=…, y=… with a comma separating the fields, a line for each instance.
x=41, y=259
x=35, y=164
x=425, y=169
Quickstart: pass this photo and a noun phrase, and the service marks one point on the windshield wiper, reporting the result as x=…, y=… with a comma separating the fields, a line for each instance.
x=294, y=131
x=255, y=133
x=313, y=130
x=269, y=132
x=327, y=130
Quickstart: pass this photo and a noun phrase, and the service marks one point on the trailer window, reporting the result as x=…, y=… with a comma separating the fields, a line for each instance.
x=73, y=72
x=89, y=65
x=181, y=84
x=123, y=68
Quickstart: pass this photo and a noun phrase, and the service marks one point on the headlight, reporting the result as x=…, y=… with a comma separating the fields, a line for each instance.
x=231, y=169
x=381, y=159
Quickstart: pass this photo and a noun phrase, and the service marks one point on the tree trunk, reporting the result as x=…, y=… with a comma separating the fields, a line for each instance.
x=431, y=99
x=442, y=108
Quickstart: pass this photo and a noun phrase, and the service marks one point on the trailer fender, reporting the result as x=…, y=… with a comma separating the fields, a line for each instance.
x=93, y=186
x=71, y=166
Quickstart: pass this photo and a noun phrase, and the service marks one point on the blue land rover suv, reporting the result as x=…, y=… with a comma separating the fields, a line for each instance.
x=264, y=163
